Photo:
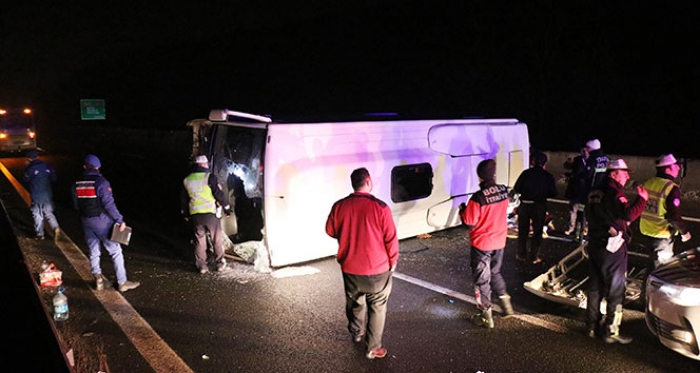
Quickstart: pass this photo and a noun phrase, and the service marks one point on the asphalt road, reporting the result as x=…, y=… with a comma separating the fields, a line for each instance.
x=292, y=320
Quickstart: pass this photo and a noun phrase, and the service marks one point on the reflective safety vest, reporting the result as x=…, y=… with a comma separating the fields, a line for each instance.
x=202, y=199
x=653, y=222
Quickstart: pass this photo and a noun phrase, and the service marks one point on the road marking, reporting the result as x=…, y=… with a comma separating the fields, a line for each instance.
x=153, y=348
x=469, y=299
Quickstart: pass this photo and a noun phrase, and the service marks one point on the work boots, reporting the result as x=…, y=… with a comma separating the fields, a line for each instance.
x=507, y=306
x=485, y=319
x=100, y=282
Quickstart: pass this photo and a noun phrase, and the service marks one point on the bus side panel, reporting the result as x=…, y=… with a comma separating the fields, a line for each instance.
x=308, y=168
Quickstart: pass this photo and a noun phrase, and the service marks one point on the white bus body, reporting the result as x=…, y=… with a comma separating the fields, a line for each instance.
x=292, y=173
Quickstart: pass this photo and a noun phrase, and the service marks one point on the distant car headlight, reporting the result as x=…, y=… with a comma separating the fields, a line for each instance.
x=32, y=134
x=683, y=296
x=3, y=135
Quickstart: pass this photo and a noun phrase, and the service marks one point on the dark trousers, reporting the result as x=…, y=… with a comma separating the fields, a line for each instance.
x=606, y=280
x=366, y=299
x=535, y=214
x=201, y=224
x=486, y=271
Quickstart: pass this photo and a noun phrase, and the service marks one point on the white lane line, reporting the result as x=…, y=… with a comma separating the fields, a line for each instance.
x=469, y=299
x=153, y=348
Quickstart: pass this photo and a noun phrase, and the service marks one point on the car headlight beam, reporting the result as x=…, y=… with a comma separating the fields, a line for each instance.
x=682, y=295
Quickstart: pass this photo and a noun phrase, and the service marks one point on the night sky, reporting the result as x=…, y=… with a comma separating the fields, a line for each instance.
x=620, y=72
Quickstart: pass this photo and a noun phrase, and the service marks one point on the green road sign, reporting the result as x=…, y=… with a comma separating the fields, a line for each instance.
x=92, y=109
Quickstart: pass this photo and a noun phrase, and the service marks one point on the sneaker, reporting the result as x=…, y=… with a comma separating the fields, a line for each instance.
x=377, y=352
x=484, y=319
x=128, y=285
x=569, y=232
x=203, y=270
x=616, y=338
x=357, y=338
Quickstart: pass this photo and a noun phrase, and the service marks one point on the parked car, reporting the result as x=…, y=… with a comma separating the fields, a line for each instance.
x=673, y=303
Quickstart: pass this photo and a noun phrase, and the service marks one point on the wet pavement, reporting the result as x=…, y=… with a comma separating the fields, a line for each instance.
x=244, y=321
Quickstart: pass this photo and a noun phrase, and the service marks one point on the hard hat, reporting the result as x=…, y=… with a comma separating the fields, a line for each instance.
x=665, y=160
x=201, y=159
x=93, y=160
x=617, y=164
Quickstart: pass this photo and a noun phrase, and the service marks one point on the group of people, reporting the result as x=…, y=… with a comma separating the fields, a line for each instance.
x=368, y=248
x=93, y=199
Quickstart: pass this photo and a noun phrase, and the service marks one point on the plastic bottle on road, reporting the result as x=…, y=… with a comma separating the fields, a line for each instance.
x=60, y=305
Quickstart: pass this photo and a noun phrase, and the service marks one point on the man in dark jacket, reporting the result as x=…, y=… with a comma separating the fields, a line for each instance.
x=595, y=164
x=609, y=214
x=40, y=176
x=534, y=185
x=92, y=197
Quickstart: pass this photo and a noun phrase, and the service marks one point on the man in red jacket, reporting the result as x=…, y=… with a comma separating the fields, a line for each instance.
x=368, y=251
x=485, y=216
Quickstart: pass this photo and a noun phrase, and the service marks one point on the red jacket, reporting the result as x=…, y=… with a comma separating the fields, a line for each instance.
x=366, y=234
x=485, y=214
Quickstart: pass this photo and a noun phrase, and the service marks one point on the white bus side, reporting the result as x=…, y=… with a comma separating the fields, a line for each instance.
x=422, y=168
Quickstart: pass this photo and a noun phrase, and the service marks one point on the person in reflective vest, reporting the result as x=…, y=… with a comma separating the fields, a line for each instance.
x=202, y=198
x=661, y=220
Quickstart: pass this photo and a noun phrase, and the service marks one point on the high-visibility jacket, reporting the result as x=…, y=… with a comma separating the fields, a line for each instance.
x=202, y=199
x=653, y=222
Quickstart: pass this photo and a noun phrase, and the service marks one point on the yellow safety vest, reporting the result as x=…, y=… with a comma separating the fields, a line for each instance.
x=653, y=222
x=202, y=199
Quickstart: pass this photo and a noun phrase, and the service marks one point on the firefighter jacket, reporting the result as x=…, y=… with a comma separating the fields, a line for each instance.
x=485, y=214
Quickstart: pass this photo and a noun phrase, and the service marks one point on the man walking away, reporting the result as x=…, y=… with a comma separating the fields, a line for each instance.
x=534, y=185
x=368, y=251
x=92, y=197
x=661, y=220
x=40, y=176
x=485, y=216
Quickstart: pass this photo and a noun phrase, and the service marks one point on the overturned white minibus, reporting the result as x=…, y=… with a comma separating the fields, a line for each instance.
x=282, y=178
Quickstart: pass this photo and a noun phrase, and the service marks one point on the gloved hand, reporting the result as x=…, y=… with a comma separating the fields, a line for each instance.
x=685, y=237
x=462, y=207
x=227, y=211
